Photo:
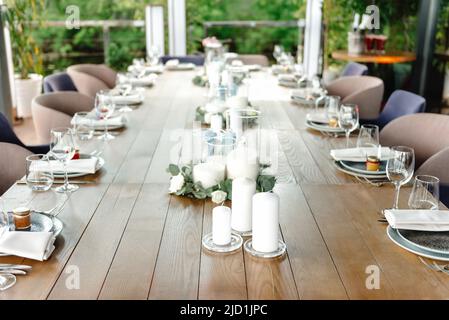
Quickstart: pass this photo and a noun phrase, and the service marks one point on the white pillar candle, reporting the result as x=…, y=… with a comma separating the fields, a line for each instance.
x=237, y=102
x=236, y=123
x=209, y=174
x=265, y=222
x=242, y=162
x=216, y=122
x=221, y=225
x=243, y=190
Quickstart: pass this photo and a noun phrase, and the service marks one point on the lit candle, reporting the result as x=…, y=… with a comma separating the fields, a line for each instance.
x=209, y=174
x=242, y=162
x=243, y=190
x=216, y=122
x=265, y=222
x=221, y=225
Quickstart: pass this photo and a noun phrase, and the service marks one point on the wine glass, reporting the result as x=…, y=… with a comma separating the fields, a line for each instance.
x=348, y=119
x=83, y=126
x=104, y=107
x=153, y=55
x=368, y=140
x=124, y=88
x=62, y=148
x=277, y=52
x=400, y=168
x=425, y=193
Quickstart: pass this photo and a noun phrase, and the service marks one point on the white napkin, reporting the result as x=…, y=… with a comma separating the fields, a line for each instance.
x=31, y=245
x=421, y=220
x=317, y=117
x=132, y=98
x=358, y=154
x=172, y=63
x=147, y=80
x=149, y=69
x=115, y=121
x=287, y=78
x=73, y=166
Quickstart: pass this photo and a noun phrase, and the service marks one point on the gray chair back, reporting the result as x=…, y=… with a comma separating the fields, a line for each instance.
x=12, y=164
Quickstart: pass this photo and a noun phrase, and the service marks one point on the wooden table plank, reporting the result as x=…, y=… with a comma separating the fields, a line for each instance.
x=176, y=275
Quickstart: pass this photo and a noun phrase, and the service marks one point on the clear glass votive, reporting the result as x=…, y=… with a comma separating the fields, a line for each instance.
x=83, y=125
x=219, y=145
x=39, y=176
x=245, y=124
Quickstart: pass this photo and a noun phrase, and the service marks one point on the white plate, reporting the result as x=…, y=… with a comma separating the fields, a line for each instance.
x=357, y=174
x=323, y=127
x=100, y=164
x=394, y=236
x=360, y=170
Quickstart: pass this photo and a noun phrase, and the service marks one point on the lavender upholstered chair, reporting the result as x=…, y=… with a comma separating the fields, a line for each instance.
x=196, y=60
x=91, y=78
x=7, y=135
x=354, y=69
x=56, y=109
x=400, y=104
x=12, y=164
x=365, y=91
x=253, y=59
x=58, y=82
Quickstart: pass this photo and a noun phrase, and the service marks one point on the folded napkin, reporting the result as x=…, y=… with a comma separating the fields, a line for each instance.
x=172, y=63
x=147, y=80
x=287, y=78
x=132, y=98
x=420, y=220
x=73, y=166
x=358, y=154
x=148, y=69
x=317, y=117
x=96, y=123
x=31, y=245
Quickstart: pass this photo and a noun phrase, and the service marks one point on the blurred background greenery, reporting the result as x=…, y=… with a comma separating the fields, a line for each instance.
x=63, y=47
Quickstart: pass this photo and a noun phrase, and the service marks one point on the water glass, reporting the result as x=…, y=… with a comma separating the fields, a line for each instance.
x=104, y=107
x=83, y=124
x=348, y=119
x=39, y=176
x=400, y=168
x=425, y=193
x=332, y=107
x=62, y=148
x=368, y=136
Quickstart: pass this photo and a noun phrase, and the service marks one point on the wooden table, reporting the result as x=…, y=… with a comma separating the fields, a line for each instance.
x=127, y=238
x=387, y=58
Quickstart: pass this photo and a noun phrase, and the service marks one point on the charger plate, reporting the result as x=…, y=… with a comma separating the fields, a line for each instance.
x=399, y=240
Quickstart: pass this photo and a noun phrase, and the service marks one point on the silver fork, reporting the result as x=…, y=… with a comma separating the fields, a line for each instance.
x=435, y=266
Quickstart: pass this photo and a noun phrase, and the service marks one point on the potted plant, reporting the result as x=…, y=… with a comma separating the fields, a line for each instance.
x=23, y=16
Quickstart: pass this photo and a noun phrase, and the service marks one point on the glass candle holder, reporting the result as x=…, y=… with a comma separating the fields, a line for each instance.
x=218, y=145
x=244, y=123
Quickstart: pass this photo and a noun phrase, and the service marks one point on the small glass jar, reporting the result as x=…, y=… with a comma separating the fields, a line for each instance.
x=22, y=218
x=372, y=163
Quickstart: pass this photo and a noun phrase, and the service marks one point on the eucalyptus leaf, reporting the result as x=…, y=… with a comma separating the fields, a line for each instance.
x=173, y=169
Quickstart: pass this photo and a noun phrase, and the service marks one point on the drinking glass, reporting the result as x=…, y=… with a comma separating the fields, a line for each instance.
x=104, y=107
x=124, y=88
x=400, y=168
x=83, y=126
x=348, y=119
x=277, y=52
x=154, y=55
x=425, y=193
x=39, y=176
x=62, y=148
x=368, y=136
x=332, y=107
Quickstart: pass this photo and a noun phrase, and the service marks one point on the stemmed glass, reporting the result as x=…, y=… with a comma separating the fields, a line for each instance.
x=83, y=126
x=153, y=55
x=369, y=140
x=104, y=107
x=277, y=52
x=425, y=193
x=62, y=148
x=348, y=119
x=400, y=168
x=124, y=88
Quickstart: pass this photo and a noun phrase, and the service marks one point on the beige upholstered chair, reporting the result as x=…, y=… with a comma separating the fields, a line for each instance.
x=56, y=109
x=253, y=59
x=426, y=133
x=367, y=92
x=91, y=78
x=12, y=164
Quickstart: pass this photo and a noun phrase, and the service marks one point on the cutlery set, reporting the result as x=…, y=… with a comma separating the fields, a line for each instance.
x=8, y=274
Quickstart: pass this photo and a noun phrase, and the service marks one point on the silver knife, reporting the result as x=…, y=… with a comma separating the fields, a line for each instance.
x=13, y=271
x=4, y=266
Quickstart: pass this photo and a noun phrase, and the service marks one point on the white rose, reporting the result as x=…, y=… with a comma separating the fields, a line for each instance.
x=207, y=117
x=176, y=183
x=219, y=196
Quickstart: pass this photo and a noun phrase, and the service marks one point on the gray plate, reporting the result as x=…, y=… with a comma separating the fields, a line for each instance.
x=360, y=167
x=339, y=166
x=394, y=236
x=323, y=127
x=39, y=223
x=437, y=242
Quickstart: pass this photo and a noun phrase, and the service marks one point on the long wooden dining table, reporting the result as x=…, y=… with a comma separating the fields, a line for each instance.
x=126, y=237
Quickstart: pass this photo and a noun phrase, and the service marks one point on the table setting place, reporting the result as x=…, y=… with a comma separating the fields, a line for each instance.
x=176, y=65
